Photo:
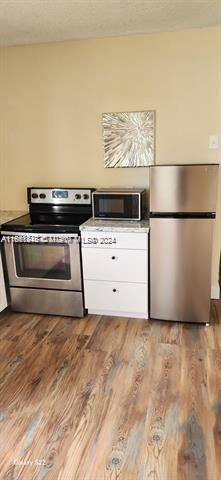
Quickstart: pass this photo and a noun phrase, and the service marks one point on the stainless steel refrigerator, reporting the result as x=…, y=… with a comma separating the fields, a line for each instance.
x=182, y=215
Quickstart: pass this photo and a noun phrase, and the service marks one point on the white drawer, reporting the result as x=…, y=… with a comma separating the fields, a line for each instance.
x=93, y=239
x=115, y=264
x=116, y=296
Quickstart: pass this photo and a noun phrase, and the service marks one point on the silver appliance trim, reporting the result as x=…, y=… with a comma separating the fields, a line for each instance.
x=74, y=283
x=39, y=235
x=53, y=302
x=75, y=196
x=122, y=219
x=132, y=191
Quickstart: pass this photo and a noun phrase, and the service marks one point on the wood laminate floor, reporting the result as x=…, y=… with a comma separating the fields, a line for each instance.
x=106, y=398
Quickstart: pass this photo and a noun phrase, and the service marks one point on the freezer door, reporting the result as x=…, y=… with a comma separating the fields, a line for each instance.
x=183, y=188
x=180, y=269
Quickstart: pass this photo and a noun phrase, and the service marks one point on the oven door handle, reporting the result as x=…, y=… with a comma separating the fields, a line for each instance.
x=21, y=236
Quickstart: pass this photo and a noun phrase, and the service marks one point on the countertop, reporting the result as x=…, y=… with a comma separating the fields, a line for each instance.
x=91, y=224
x=7, y=215
x=115, y=225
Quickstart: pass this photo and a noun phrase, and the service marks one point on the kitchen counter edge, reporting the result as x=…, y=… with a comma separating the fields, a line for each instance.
x=115, y=225
x=8, y=215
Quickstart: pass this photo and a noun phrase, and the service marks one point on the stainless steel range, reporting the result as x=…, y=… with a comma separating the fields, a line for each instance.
x=42, y=252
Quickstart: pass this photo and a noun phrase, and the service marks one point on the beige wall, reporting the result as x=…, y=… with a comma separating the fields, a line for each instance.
x=52, y=97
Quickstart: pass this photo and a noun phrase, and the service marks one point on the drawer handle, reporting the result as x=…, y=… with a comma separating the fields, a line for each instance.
x=114, y=290
x=113, y=258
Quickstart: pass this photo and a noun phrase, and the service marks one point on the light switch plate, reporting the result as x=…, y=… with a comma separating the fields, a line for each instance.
x=213, y=142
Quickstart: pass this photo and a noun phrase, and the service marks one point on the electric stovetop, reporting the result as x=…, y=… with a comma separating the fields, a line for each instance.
x=45, y=224
x=53, y=210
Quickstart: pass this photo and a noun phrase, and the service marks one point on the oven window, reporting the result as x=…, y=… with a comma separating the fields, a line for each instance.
x=42, y=261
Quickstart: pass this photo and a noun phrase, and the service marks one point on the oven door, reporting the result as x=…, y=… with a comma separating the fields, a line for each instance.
x=43, y=260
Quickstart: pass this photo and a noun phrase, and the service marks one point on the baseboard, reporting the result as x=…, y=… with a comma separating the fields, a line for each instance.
x=118, y=314
x=215, y=292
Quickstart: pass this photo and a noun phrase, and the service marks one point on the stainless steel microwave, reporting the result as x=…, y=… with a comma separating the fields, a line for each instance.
x=119, y=204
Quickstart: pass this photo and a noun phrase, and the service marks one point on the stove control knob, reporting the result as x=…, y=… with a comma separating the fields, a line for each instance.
x=42, y=195
x=34, y=195
x=85, y=196
x=77, y=196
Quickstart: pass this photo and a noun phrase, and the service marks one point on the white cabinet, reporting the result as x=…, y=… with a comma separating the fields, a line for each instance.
x=115, y=272
x=134, y=241
x=116, y=297
x=115, y=264
x=3, y=298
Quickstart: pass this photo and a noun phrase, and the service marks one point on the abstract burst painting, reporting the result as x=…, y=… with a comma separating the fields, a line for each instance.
x=128, y=139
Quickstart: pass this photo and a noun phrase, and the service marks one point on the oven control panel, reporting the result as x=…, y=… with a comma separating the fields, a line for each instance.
x=60, y=196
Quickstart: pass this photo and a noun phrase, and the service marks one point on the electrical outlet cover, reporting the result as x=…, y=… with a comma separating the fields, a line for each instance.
x=213, y=142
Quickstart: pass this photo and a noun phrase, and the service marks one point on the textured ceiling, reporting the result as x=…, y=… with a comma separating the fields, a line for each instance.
x=36, y=21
